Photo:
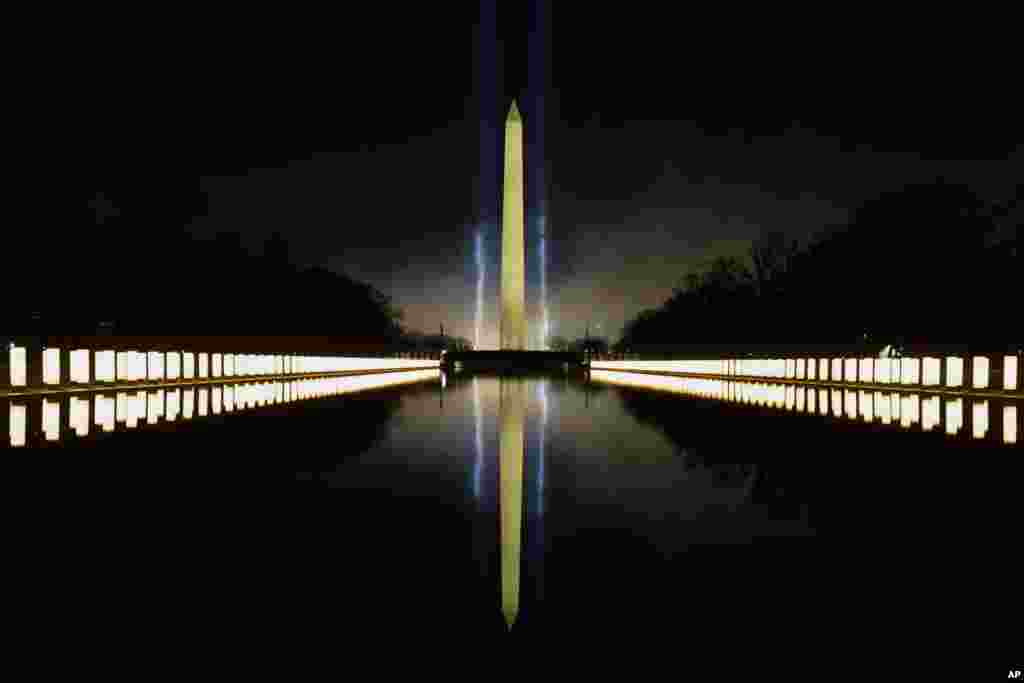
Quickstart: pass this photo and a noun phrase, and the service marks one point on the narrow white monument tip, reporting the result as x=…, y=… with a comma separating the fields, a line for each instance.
x=513, y=113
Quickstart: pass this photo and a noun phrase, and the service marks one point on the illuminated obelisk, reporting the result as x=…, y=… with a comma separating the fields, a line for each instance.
x=513, y=248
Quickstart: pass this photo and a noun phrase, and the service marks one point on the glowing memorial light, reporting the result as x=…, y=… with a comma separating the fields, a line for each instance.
x=867, y=369
x=910, y=370
x=18, y=358
x=883, y=370
x=156, y=406
x=78, y=415
x=1010, y=424
x=910, y=410
x=837, y=369
x=121, y=407
x=954, y=371
x=136, y=409
x=980, y=372
x=203, y=401
x=883, y=407
x=218, y=360
x=930, y=371
x=837, y=402
x=173, y=404
x=851, y=404
x=104, y=366
x=51, y=366
x=79, y=370
x=954, y=415
x=104, y=409
x=229, y=365
x=51, y=420
x=215, y=400
x=18, y=424
x=800, y=399
x=823, y=401
x=1010, y=373
x=801, y=368
x=811, y=400
x=980, y=421
x=155, y=366
x=228, y=399
x=930, y=413
x=174, y=365
x=188, y=403
x=867, y=408
x=850, y=370
x=188, y=365
x=823, y=369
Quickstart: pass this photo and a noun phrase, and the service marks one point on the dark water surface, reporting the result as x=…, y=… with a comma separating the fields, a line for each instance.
x=559, y=505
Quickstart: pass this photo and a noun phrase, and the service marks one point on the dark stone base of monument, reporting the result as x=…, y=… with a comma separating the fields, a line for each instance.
x=515, y=361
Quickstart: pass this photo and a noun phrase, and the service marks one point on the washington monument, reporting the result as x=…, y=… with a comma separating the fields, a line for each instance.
x=513, y=248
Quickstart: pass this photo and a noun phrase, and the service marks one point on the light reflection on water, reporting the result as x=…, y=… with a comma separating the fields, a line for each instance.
x=106, y=411
x=908, y=410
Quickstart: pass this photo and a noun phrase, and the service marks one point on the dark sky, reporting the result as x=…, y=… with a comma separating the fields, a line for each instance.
x=656, y=140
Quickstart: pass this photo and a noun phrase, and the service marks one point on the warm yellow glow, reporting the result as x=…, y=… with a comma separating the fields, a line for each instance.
x=215, y=400
x=513, y=251
x=105, y=366
x=188, y=402
x=188, y=365
x=174, y=365
x=884, y=370
x=78, y=415
x=823, y=401
x=228, y=398
x=18, y=358
x=981, y=372
x=218, y=361
x=980, y=415
x=867, y=406
x=511, y=465
x=883, y=406
x=51, y=366
x=136, y=409
x=910, y=370
x=954, y=371
x=801, y=368
x=851, y=403
x=173, y=404
x=910, y=410
x=930, y=412
x=1010, y=373
x=954, y=415
x=104, y=409
x=18, y=419
x=204, y=365
x=155, y=366
x=823, y=369
x=156, y=406
x=229, y=365
x=812, y=369
x=204, y=398
x=51, y=420
x=850, y=370
x=931, y=369
x=79, y=370
x=867, y=369
x=837, y=402
x=837, y=369
x=1010, y=424
x=800, y=399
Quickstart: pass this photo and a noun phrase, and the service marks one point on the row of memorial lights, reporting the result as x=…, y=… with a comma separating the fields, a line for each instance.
x=909, y=371
x=906, y=410
x=185, y=402
x=134, y=366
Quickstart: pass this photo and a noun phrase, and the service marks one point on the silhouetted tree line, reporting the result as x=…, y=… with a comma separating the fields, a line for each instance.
x=177, y=291
x=587, y=343
x=929, y=265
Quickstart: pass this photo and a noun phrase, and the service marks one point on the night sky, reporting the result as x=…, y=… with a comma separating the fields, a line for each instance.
x=655, y=140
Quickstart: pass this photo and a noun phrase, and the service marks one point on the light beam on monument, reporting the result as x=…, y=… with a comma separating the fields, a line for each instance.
x=480, y=274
